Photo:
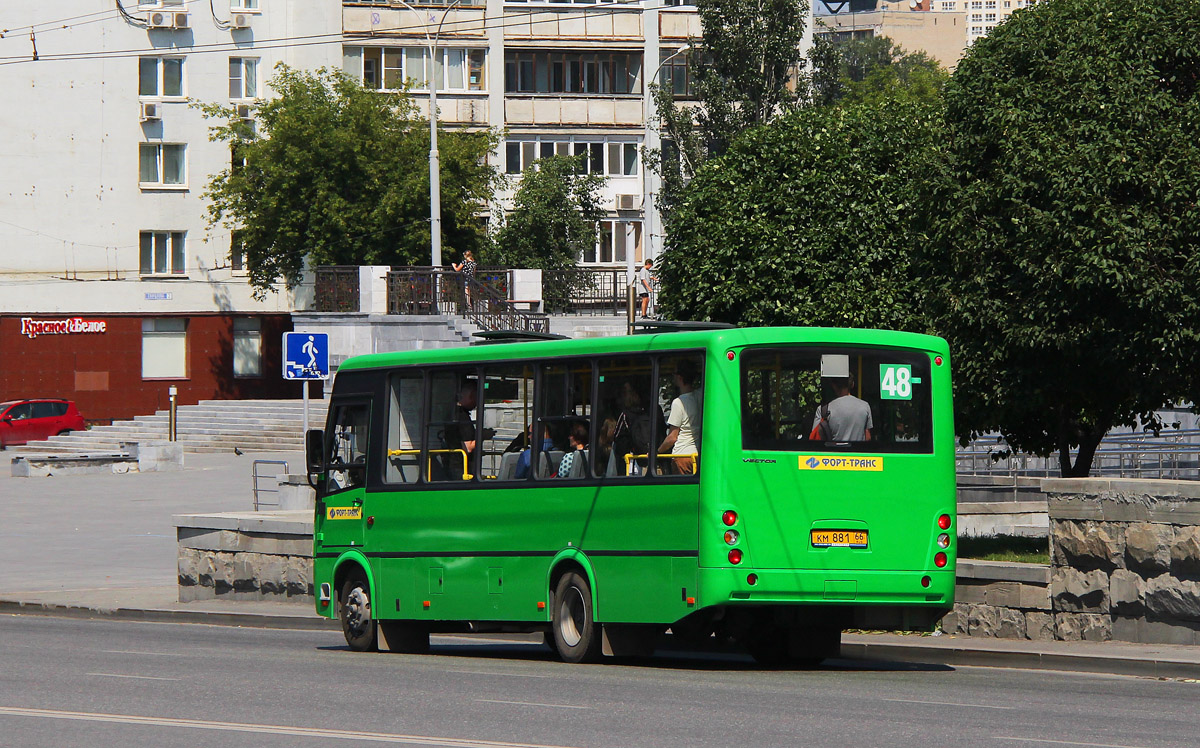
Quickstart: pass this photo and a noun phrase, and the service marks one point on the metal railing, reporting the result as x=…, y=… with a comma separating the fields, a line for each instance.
x=255, y=475
x=336, y=288
x=483, y=301
x=584, y=291
x=1171, y=455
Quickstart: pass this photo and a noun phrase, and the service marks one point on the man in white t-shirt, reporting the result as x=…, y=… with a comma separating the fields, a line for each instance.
x=848, y=418
x=683, y=424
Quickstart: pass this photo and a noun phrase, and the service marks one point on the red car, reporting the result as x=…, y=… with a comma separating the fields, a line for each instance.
x=24, y=421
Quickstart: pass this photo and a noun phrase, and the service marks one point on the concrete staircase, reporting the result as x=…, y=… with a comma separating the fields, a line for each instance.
x=210, y=426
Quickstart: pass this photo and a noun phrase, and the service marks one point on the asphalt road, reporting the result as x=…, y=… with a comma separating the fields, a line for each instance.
x=66, y=682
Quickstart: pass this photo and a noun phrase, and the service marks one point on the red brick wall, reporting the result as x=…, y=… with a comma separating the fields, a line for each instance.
x=102, y=372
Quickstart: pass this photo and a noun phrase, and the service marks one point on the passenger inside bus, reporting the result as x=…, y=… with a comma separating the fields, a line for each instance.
x=460, y=435
x=845, y=418
x=684, y=421
x=574, y=462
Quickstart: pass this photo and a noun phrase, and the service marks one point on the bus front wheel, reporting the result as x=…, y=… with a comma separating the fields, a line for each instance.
x=576, y=635
x=358, y=625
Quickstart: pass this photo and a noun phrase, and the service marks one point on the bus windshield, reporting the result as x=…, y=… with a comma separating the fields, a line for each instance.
x=809, y=398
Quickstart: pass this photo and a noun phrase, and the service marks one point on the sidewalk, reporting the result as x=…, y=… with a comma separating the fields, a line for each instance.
x=103, y=546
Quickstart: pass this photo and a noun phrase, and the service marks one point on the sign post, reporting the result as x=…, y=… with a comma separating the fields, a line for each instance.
x=305, y=357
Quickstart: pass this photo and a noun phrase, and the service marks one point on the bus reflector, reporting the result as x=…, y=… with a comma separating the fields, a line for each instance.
x=426, y=603
x=541, y=605
x=939, y=560
x=735, y=557
x=944, y=521
x=729, y=518
x=925, y=581
x=731, y=537
x=752, y=579
x=937, y=360
x=691, y=601
x=729, y=355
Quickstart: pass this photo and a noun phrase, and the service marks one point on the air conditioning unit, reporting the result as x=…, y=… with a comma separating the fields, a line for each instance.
x=627, y=202
x=150, y=111
x=239, y=21
x=243, y=111
x=159, y=20
x=179, y=20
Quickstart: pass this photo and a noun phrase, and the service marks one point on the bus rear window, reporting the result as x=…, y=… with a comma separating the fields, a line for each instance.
x=806, y=399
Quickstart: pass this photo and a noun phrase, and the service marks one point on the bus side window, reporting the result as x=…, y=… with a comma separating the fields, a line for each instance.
x=680, y=397
x=626, y=417
x=452, y=436
x=406, y=391
x=565, y=401
x=508, y=417
x=347, y=447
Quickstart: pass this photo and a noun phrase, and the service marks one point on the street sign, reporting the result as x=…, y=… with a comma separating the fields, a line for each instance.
x=305, y=355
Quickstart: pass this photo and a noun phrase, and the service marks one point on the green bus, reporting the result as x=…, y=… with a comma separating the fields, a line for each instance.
x=711, y=482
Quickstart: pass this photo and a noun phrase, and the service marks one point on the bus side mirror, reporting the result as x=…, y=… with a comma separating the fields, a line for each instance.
x=314, y=447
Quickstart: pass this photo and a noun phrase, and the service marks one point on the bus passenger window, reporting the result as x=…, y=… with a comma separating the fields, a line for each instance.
x=452, y=439
x=347, y=447
x=406, y=399
x=625, y=436
x=508, y=416
x=564, y=402
x=679, y=387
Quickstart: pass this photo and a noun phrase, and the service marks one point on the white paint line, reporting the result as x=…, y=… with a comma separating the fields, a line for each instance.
x=532, y=703
x=947, y=703
x=1068, y=742
x=139, y=677
x=306, y=732
x=148, y=654
x=501, y=675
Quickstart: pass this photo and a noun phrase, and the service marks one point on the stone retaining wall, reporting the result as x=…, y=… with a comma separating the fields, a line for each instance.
x=1125, y=559
x=246, y=556
x=998, y=599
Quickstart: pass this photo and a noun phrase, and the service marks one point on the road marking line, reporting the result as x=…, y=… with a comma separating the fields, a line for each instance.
x=152, y=654
x=503, y=675
x=532, y=703
x=1068, y=742
x=307, y=732
x=141, y=677
x=947, y=703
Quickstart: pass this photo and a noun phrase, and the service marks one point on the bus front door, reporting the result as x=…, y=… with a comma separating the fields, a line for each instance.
x=343, y=489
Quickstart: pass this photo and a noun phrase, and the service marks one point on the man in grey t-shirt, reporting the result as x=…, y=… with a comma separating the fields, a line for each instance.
x=849, y=418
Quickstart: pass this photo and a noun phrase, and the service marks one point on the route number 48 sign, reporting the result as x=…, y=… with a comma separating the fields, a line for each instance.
x=896, y=382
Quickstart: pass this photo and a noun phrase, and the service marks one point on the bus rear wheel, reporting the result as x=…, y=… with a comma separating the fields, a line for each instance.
x=358, y=625
x=576, y=635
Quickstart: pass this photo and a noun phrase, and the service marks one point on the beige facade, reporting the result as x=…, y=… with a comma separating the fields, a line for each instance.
x=941, y=35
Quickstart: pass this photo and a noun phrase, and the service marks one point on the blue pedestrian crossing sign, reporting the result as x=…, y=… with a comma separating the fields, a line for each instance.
x=305, y=355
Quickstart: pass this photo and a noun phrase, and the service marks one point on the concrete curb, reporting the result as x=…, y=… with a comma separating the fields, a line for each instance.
x=1115, y=664
x=852, y=649
x=167, y=615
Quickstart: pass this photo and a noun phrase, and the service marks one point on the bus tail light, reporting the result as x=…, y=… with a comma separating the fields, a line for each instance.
x=944, y=521
x=939, y=560
x=731, y=537
x=729, y=518
x=943, y=541
x=735, y=557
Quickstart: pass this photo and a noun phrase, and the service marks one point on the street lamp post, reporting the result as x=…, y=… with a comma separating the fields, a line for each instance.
x=652, y=218
x=435, y=169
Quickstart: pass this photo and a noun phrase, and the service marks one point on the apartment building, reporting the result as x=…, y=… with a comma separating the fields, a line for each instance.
x=112, y=288
x=568, y=78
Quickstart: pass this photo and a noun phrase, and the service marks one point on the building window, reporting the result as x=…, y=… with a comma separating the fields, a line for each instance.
x=674, y=74
x=237, y=254
x=990, y=17
x=615, y=241
x=164, y=348
x=247, y=347
x=976, y=18
x=162, y=164
x=162, y=253
x=948, y=5
x=160, y=77
x=613, y=158
x=976, y=31
x=243, y=78
x=387, y=68
x=243, y=4
x=573, y=72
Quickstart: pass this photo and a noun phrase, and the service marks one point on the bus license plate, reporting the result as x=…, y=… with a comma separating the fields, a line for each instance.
x=839, y=538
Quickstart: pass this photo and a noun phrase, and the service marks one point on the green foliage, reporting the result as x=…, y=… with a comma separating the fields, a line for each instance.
x=742, y=77
x=806, y=221
x=1067, y=228
x=554, y=216
x=1011, y=548
x=872, y=70
x=336, y=174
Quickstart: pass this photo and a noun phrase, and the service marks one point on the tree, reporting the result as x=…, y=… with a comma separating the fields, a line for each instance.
x=333, y=173
x=872, y=70
x=805, y=221
x=554, y=216
x=1066, y=240
x=742, y=76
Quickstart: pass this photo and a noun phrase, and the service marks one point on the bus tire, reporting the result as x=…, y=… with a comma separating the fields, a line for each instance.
x=576, y=635
x=354, y=610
